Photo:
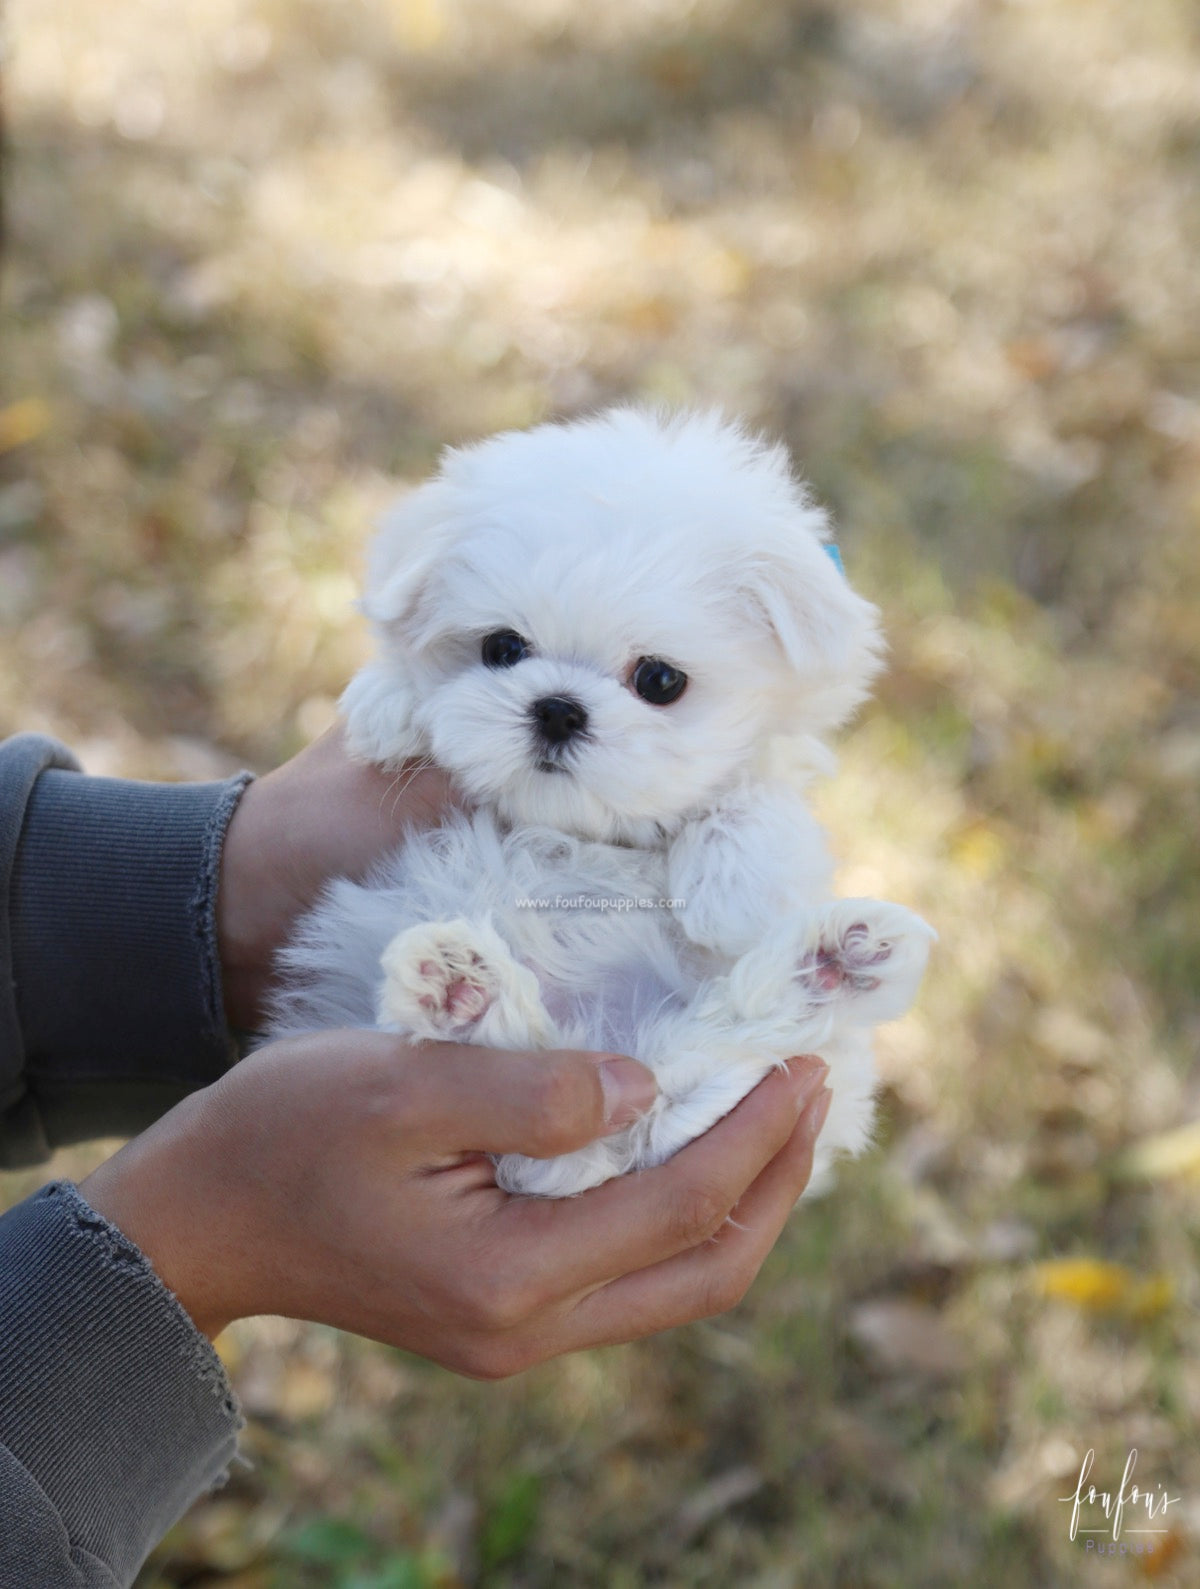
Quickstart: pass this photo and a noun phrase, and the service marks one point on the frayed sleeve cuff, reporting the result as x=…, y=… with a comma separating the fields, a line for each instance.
x=115, y=1412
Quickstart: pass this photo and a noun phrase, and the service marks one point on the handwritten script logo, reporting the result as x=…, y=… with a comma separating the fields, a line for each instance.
x=1153, y=1504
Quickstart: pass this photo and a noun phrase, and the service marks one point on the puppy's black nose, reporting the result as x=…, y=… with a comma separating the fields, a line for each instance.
x=558, y=718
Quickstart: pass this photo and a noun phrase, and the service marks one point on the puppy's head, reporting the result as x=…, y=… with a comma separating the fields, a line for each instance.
x=595, y=626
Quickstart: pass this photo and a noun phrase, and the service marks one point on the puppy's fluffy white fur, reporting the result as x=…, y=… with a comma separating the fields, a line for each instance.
x=651, y=882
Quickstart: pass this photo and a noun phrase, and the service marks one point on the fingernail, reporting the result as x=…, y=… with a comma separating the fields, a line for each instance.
x=810, y=1071
x=815, y=1117
x=629, y=1090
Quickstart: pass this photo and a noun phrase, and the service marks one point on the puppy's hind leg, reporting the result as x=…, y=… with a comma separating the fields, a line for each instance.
x=858, y=961
x=458, y=981
x=706, y=1061
x=817, y=984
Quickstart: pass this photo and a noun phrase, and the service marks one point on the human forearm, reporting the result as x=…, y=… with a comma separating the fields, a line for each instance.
x=114, y=1413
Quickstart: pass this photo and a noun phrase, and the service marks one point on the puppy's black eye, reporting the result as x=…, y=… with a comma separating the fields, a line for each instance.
x=658, y=682
x=504, y=648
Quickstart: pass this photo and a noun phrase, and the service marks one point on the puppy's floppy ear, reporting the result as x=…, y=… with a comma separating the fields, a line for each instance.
x=378, y=707
x=413, y=535
x=828, y=634
x=379, y=702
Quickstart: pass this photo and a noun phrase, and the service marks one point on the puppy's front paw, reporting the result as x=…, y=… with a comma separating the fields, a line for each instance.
x=437, y=981
x=869, y=957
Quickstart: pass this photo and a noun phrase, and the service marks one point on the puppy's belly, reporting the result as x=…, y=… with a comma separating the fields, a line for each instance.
x=614, y=1013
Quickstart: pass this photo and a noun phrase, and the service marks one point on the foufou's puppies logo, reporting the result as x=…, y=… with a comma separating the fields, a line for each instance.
x=1148, y=1510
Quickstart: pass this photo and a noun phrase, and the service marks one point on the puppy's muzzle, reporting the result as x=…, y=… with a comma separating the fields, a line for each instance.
x=558, y=719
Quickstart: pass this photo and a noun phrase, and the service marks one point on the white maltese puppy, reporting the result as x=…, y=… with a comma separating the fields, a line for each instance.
x=598, y=629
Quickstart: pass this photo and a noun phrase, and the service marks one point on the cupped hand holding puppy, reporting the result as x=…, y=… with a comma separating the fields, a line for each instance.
x=343, y=1178
x=321, y=815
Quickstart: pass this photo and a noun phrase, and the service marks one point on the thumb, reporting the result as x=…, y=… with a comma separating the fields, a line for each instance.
x=542, y=1104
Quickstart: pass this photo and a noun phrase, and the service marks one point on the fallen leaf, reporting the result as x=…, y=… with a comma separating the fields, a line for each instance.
x=1100, y=1287
x=1035, y=358
x=1164, y=1156
x=1167, y=1550
x=978, y=849
x=907, y=1337
x=719, y=1495
x=230, y=1350
x=305, y=1390
x=22, y=422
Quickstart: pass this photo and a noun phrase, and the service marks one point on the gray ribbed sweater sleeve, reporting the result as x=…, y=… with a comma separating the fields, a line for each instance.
x=110, y=991
x=22, y=761
x=114, y=1411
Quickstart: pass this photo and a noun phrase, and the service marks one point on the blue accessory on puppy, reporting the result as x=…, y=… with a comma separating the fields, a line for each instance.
x=831, y=548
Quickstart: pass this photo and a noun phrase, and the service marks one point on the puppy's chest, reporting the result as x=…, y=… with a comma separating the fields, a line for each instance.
x=595, y=926
x=594, y=900
x=563, y=905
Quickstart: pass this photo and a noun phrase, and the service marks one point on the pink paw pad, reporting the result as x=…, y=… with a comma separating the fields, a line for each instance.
x=847, y=964
x=457, y=999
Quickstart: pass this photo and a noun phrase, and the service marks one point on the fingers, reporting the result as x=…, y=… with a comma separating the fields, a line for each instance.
x=572, y=1245
x=713, y=1276
x=707, y=1279
x=460, y=1099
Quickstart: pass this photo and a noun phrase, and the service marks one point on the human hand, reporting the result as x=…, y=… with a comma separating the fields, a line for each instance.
x=342, y=1178
x=320, y=815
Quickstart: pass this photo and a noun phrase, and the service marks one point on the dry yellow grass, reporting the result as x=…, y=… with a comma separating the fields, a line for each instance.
x=266, y=256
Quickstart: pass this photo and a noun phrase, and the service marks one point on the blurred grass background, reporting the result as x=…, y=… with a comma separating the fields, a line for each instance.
x=266, y=256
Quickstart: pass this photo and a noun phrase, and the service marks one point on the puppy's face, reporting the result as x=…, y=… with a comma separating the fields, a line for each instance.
x=596, y=626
